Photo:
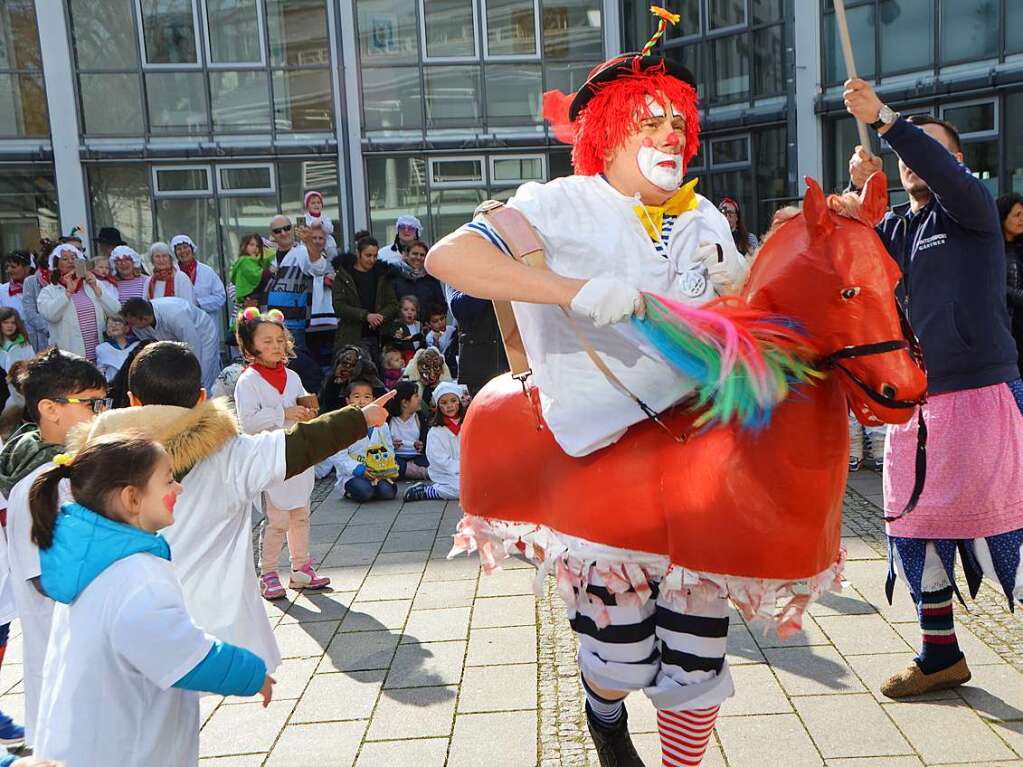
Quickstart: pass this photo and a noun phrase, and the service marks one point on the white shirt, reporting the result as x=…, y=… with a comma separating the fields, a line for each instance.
x=407, y=431
x=443, y=341
x=115, y=653
x=178, y=320
x=8, y=607
x=110, y=358
x=390, y=255
x=443, y=451
x=12, y=302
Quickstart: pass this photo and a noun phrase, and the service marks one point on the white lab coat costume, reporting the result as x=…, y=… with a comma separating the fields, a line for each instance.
x=115, y=653
x=178, y=320
x=209, y=294
x=589, y=230
x=261, y=409
x=20, y=353
x=110, y=358
x=182, y=287
x=59, y=312
x=16, y=302
x=443, y=451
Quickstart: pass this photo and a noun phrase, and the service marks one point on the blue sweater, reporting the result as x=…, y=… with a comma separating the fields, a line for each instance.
x=952, y=257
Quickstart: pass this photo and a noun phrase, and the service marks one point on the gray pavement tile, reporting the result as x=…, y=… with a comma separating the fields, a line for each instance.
x=420, y=712
x=443, y=594
x=13, y=704
x=809, y=634
x=305, y=640
x=344, y=578
x=361, y=651
x=847, y=602
x=756, y=692
x=461, y=568
x=351, y=554
x=399, y=563
x=649, y=747
x=850, y=725
x=290, y=679
x=875, y=761
x=252, y=760
x=1011, y=733
x=374, y=616
x=414, y=540
x=497, y=740
x=10, y=676
x=407, y=522
x=335, y=744
x=320, y=534
x=812, y=670
x=313, y=606
x=379, y=587
x=862, y=634
x=857, y=548
x=496, y=612
x=244, y=729
x=337, y=697
x=741, y=647
x=428, y=664
x=977, y=653
x=364, y=533
x=420, y=752
x=501, y=688
x=868, y=578
x=642, y=714
x=964, y=735
x=995, y=692
x=746, y=739
x=437, y=625
x=424, y=507
x=873, y=670
x=491, y=647
x=507, y=583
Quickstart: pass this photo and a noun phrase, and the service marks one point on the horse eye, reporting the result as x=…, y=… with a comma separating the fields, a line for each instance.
x=850, y=293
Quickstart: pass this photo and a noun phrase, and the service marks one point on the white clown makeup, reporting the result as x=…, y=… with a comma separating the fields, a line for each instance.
x=663, y=170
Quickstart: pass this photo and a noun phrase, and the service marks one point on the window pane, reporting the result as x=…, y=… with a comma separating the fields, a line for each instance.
x=1013, y=27
x=861, y=29
x=969, y=30
x=396, y=185
x=177, y=102
x=452, y=97
x=567, y=78
x=737, y=184
x=246, y=178
x=972, y=118
x=560, y=163
x=302, y=100
x=196, y=217
x=514, y=94
x=241, y=101
x=19, y=43
x=298, y=32
x=726, y=13
x=729, y=150
x=770, y=156
x=843, y=141
x=571, y=28
x=104, y=34
x=23, y=106
x=112, y=105
x=692, y=58
x=235, y=36
x=387, y=31
x=392, y=100
x=456, y=171
x=182, y=180
x=449, y=28
x=169, y=31
x=120, y=198
x=511, y=28
x=907, y=35
x=981, y=157
x=517, y=169
x=766, y=11
x=731, y=76
x=769, y=61
x=295, y=178
x=28, y=207
x=453, y=207
x=1014, y=149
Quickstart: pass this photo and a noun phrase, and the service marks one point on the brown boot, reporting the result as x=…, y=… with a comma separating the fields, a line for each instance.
x=912, y=681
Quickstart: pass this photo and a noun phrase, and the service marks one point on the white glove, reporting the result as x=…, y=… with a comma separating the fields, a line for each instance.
x=725, y=266
x=606, y=299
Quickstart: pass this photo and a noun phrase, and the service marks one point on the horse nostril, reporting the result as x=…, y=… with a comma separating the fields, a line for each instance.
x=888, y=391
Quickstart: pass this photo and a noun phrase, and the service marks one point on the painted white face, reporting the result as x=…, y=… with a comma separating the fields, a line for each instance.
x=663, y=170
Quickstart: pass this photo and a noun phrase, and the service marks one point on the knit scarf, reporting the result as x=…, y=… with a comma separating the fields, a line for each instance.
x=277, y=377
x=15, y=287
x=190, y=268
x=453, y=424
x=168, y=283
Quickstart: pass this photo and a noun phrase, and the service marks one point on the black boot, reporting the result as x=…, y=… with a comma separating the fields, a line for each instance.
x=614, y=746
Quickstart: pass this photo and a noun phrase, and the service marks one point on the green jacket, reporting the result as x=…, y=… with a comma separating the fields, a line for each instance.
x=348, y=305
x=24, y=452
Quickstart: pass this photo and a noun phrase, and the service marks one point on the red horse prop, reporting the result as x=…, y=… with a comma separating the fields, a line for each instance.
x=758, y=511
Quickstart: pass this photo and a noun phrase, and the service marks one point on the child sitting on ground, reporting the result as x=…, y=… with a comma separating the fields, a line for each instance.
x=367, y=470
x=443, y=448
x=407, y=431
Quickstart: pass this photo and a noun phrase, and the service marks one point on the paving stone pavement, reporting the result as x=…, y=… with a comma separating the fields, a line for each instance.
x=414, y=660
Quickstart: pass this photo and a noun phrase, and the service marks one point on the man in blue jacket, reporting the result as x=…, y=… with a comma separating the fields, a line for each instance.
x=948, y=242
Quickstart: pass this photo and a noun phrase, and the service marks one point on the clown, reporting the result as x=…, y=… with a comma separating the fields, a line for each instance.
x=624, y=223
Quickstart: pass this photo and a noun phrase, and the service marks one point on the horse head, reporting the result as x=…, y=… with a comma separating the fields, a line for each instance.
x=833, y=275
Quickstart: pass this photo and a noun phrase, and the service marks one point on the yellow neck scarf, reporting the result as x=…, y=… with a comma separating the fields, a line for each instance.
x=652, y=216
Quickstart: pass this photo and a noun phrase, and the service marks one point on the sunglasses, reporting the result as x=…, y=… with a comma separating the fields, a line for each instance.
x=281, y=229
x=96, y=404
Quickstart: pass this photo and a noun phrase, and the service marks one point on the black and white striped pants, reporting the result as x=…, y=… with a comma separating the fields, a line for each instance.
x=676, y=658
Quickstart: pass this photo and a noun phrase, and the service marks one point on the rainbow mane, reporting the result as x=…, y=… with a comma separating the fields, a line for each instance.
x=744, y=361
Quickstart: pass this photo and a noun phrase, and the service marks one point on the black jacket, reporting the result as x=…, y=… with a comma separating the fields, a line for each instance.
x=481, y=351
x=426, y=288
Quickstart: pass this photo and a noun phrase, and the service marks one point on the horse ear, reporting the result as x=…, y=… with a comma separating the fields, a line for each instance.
x=815, y=210
x=874, y=198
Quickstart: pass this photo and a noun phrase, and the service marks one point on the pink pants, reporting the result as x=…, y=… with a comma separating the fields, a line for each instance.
x=280, y=522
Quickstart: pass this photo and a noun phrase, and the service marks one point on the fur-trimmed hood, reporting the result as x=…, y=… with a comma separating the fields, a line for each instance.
x=188, y=434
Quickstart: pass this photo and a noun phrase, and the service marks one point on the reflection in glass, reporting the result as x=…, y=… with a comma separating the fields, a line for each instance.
x=453, y=97
x=391, y=100
x=844, y=140
x=861, y=29
x=302, y=100
x=981, y=157
x=567, y=78
x=726, y=13
x=104, y=34
x=737, y=184
x=729, y=150
x=1014, y=149
x=454, y=171
x=766, y=11
x=183, y=180
x=572, y=28
x=969, y=30
x=449, y=28
x=298, y=32
x=517, y=169
x=511, y=28
x=731, y=75
x=19, y=43
x=235, y=36
x=240, y=216
x=770, y=151
x=111, y=105
x=23, y=106
x=241, y=101
x=972, y=118
x=560, y=163
x=168, y=29
x=514, y=94
x=246, y=178
x=198, y=217
x=907, y=35
x=450, y=208
x=120, y=197
x=691, y=56
x=387, y=32
x=1013, y=28
x=396, y=185
x=177, y=102
x=769, y=61
x=28, y=207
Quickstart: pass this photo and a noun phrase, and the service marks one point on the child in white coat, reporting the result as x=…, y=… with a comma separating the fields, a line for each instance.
x=266, y=398
x=125, y=661
x=443, y=448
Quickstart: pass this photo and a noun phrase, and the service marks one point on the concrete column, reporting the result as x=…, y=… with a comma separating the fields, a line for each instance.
x=809, y=130
x=611, y=23
x=351, y=115
x=58, y=73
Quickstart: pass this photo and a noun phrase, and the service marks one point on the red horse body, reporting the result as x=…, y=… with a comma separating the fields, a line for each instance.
x=730, y=501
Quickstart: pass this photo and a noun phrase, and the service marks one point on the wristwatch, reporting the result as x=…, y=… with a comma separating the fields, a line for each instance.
x=886, y=116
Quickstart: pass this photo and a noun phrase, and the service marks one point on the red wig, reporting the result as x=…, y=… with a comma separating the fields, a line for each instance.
x=614, y=113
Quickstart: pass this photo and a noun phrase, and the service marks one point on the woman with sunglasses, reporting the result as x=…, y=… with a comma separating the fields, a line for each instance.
x=745, y=241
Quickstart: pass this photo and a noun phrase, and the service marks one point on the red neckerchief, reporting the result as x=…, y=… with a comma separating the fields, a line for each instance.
x=44, y=276
x=15, y=287
x=168, y=284
x=451, y=423
x=277, y=377
x=190, y=268
x=66, y=278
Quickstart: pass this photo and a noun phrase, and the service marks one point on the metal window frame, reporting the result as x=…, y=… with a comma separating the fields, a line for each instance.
x=424, y=50
x=159, y=194
x=735, y=165
x=537, y=38
x=705, y=6
x=976, y=135
x=431, y=162
x=247, y=191
x=495, y=158
x=261, y=34
x=144, y=54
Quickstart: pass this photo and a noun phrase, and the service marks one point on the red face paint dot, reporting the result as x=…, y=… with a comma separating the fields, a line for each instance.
x=647, y=141
x=169, y=500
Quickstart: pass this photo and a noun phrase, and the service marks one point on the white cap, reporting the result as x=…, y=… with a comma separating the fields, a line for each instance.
x=65, y=247
x=124, y=251
x=448, y=387
x=182, y=239
x=407, y=220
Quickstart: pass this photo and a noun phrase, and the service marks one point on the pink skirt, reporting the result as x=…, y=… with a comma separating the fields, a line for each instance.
x=974, y=482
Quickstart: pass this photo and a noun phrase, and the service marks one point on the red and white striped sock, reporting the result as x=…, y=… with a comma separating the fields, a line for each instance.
x=685, y=735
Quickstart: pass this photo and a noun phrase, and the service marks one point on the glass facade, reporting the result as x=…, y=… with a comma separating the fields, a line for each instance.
x=28, y=206
x=22, y=98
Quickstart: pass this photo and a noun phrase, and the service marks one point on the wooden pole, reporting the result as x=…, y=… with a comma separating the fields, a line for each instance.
x=850, y=64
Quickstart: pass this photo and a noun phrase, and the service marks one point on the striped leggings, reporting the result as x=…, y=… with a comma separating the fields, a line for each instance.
x=676, y=658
